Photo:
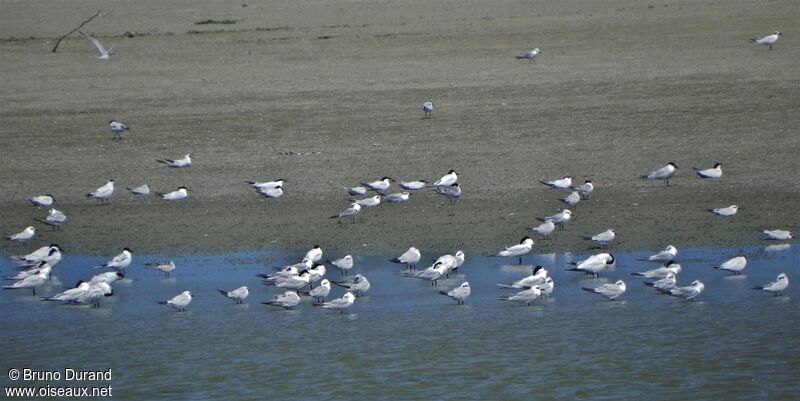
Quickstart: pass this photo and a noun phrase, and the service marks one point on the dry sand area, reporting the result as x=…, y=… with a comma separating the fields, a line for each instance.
x=623, y=87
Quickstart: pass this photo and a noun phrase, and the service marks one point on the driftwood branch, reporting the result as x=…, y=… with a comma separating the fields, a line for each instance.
x=58, y=42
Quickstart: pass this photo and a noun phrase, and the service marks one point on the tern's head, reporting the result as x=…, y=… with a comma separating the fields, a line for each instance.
x=184, y=188
x=112, y=121
x=349, y=297
x=536, y=269
x=187, y=293
x=537, y=50
x=672, y=164
x=110, y=180
x=451, y=172
x=777, y=33
x=610, y=259
x=127, y=250
x=525, y=238
x=30, y=228
x=717, y=165
x=620, y=284
x=465, y=284
x=782, y=276
x=120, y=275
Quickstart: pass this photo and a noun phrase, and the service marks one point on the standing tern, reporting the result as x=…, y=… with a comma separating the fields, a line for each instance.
x=714, y=172
x=120, y=262
x=560, y=219
x=72, y=294
x=43, y=200
x=359, y=285
x=344, y=264
x=608, y=290
x=180, y=194
x=665, y=284
x=186, y=161
x=432, y=273
x=768, y=40
x=410, y=258
x=525, y=296
x=545, y=229
x=453, y=192
x=95, y=293
x=320, y=292
x=314, y=254
x=663, y=174
x=447, y=180
x=572, y=199
x=140, y=190
x=427, y=108
x=117, y=128
x=688, y=293
x=238, y=295
x=339, y=304
x=671, y=267
x=55, y=218
x=603, y=239
x=369, y=202
x=30, y=282
x=180, y=301
x=776, y=287
x=530, y=55
x=735, y=265
x=349, y=213
x=103, y=193
x=563, y=183
x=547, y=287
x=538, y=276
x=666, y=255
x=164, y=267
x=523, y=248
x=23, y=274
x=593, y=264
x=36, y=256
x=107, y=277
x=458, y=294
x=585, y=189
x=287, y=300
x=23, y=236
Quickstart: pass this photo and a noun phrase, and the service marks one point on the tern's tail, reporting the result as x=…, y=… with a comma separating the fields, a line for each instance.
x=334, y=217
x=757, y=287
x=753, y=39
x=444, y=293
x=396, y=260
x=340, y=284
x=162, y=302
x=586, y=238
x=505, y=286
x=644, y=177
x=520, y=57
x=503, y=298
x=573, y=269
x=588, y=289
x=649, y=284
x=223, y=292
x=637, y=274
x=264, y=276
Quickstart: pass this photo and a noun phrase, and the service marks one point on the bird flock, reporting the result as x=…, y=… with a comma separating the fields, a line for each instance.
x=307, y=278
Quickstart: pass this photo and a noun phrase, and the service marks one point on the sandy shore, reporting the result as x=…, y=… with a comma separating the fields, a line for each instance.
x=621, y=89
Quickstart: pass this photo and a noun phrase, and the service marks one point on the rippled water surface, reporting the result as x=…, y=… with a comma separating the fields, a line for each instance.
x=405, y=341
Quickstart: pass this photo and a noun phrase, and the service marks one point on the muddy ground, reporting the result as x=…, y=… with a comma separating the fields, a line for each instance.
x=621, y=88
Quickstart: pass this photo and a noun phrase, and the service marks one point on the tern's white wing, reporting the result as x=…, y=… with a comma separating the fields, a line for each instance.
x=95, y=42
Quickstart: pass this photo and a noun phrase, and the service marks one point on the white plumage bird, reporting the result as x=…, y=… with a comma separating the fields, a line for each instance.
x=459, y=294
x=768, y=40
x=180, y=301
x=776, y=287
x=103, y=193
x=608, y=290
x=238, y=295
x=186, y=161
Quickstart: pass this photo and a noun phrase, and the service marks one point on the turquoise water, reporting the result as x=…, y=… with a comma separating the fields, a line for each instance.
x=405, y=341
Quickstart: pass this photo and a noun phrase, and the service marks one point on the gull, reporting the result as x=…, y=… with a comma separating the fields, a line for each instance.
x=22, y=275
x=349, y=213
x=560, y=219
x=603, y=239
x=356, y=191
x=23, y=236
x=538, y=276
x=572, y=199
x=714, y=172
x=593, y=264
x=585, y=189
x=107, y=277
x=292, y=282
x=413, y=185
x=779, y=235
x=547, y=287
x=735, y=265
x=103, y=193
x=666, y=255
x=55, y=218
x=321, y=292
x=120, y=262
x=670, y=267
x=379, y=186
x=180, y=301
x=725, y=211
x=43, y=200
x=563, y=183
x=525, y=296
x=768, y=40
x=340, y=304
x=267, y=184
x=776, y=287
x=688, y=293
x=140, y=190
x=238, y=295
x=369, y=202
x=314, y=254
x=523, y=248
x=432, y=273
x=72, y=294
x=664, y=173
x=30, y=282
x=344, y=264
x=453, y=192
x=663, y=284
x=545, y=229
x=179, y=163
x=95, y=293
x=287, y=300
x=458, y=294
x=610, y=291
x=359, y=285
x=104, y=54
x=530, y=55
x=179, y=194
x=117, y=128
x=447, y=180
x=164, y=267
x=427, y=108
x=399, y=197
x=36, y=256
x=409, y=258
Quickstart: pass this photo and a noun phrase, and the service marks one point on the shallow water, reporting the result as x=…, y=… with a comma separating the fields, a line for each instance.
x=404, y=341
